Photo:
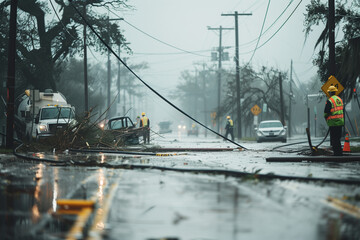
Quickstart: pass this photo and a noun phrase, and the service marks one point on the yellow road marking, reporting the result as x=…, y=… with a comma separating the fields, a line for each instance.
x=101, y=215
x=76, y=230
x=346, y=207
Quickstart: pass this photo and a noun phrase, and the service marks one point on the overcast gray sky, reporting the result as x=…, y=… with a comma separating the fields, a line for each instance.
x=183, y=25
x=171, y=36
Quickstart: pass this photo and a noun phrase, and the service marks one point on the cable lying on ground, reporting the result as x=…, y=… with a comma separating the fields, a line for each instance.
x=224, y=172
x=148, y=86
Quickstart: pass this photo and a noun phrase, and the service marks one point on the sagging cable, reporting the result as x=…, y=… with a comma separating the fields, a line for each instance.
x=148, y=86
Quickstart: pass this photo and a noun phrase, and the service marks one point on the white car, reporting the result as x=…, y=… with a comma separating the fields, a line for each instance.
x=272, y=130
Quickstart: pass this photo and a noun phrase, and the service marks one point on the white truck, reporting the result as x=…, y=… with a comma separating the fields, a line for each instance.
x=42, y=114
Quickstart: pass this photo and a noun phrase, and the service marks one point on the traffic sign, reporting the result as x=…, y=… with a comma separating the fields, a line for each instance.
x=256, y=110
x=332, y=81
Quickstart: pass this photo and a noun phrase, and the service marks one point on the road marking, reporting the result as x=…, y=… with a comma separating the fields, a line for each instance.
x=101, y=215
x=345, y=207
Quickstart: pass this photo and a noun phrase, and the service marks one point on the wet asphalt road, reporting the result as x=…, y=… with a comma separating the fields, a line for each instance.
x=155, y=204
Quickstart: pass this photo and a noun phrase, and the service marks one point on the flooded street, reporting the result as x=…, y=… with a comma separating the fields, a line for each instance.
x=180, y=195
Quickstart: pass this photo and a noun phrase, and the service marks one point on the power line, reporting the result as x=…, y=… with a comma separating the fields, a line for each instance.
x=147, y=85
x=262, y=27
x=270, y=25
x=167, y=44
x=156, y=39
x=276, y=30
x=169, y=53
x=64, y=27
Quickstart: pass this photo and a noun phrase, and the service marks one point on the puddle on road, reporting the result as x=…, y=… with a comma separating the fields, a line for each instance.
x=25, y=201
x=338, y=225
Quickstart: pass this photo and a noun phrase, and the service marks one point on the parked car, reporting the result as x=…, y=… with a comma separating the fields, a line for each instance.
x=123, y=130
x=272, y=130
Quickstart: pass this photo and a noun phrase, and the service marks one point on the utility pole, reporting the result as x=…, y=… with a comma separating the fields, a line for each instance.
x=86, y=103
x=204, y=96
x=290, y=98
x=220, y=50
x=118, y=77
x=109, y=65
x=281, y=100
x=10, y=84
x=108, y=72
x=238, y=98
x=331, y=21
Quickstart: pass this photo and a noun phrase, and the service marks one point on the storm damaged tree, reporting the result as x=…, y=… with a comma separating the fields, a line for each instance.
x=45, y=40
x=256, y=88
x=197, y=92
x=347, y=50
x=73, y=71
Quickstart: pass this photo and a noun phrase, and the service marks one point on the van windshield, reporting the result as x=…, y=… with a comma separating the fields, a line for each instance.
x=56, y=113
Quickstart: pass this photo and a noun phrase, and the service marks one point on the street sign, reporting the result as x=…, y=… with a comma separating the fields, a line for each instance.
x=256, y=120
x=264, y=107
x=332, y=81
x=255, y=110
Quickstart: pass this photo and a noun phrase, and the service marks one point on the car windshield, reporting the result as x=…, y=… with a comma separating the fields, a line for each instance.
x=56, y=112
x=270, y=124
x=120, y=123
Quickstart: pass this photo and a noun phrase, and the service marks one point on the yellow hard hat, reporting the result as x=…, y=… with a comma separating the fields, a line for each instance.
x=228, y=117
x=332, y=89
x=143, y=114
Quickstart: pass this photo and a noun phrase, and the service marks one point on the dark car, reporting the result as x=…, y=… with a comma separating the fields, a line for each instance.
x=194, y=130
x=123, y=130
x=271, y=130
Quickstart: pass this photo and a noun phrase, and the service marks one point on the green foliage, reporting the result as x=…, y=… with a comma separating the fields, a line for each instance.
x=256, y=88
x=347, y=51
x=45, y=39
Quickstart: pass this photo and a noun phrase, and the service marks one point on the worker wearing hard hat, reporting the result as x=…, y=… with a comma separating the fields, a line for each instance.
x=229, y=127
x=334, y=116
x=137, y=123
x=145, y=123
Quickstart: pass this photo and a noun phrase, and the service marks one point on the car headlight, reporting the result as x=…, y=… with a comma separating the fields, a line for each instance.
x=259, y=133
x=283, y=132
x=42, y=128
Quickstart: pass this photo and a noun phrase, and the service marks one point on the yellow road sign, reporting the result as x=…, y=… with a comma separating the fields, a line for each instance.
x=332, y=81
x=256, y=110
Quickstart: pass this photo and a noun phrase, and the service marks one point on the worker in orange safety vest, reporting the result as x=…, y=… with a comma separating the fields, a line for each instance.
x=145, y=122
x=334, y=115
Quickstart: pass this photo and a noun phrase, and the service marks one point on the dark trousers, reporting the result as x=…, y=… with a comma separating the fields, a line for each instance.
x=146, y=136
x=231, y=132
x=335, y=135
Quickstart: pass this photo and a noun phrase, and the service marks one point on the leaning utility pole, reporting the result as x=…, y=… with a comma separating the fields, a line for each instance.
x=10, y=84
x=238, y=103
x=219, y=71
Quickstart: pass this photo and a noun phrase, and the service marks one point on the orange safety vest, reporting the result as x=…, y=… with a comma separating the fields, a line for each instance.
x=144, y=121
x=336, y=116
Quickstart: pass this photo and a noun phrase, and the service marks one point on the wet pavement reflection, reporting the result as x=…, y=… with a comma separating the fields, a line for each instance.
x=146, y=203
